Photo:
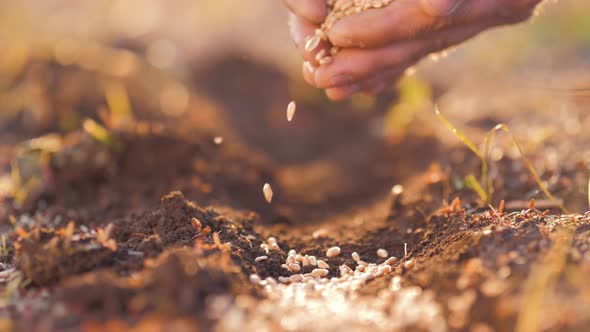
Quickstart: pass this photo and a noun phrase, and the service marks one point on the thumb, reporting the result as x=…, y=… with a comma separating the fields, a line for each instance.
x=439, y=8
x=312, y=10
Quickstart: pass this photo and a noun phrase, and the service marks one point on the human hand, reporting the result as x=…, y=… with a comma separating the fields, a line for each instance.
x=376, y=46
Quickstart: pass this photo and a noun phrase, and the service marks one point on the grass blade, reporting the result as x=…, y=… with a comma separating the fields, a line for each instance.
x=459, y=134
x=472, y=183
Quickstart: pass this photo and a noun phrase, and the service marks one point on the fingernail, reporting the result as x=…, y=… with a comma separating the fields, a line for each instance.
x=341, y=80
x=441, y=7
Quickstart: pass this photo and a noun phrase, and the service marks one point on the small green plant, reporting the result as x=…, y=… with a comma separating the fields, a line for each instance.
x=484, y=187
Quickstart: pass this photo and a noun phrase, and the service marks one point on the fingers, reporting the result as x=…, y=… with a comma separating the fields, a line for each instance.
x=301, y=30
x=372, y=86
x=407, y=19
x=313, y=11
x=353, y=65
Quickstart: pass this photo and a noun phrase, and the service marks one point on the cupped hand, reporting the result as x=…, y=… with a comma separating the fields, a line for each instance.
x=376, y=46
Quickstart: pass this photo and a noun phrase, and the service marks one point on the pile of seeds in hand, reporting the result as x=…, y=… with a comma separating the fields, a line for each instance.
x=338, y=9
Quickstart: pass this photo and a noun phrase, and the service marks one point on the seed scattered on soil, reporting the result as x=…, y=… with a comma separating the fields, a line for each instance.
x=313, y=260
x=382, y=253
x=294, y=267
x=319, y=273
x=323, y=265
x=333, y=252
x=405, y=249
x=267, y=191
x=291, y=109
x=260, y=258
x=218, y=140
x=390, y=260
x=356, y=256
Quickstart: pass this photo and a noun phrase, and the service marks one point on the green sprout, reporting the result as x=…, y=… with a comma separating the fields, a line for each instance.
x=484, y=187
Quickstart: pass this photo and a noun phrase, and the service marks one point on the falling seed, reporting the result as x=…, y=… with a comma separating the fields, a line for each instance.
x=397, y=190
x=382, y=253
x=356, y=256
x=333, y=252
x=218, y=140
x=267, y=191
x=291, y=109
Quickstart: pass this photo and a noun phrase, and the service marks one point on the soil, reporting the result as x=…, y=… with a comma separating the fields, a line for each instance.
x=161, y=230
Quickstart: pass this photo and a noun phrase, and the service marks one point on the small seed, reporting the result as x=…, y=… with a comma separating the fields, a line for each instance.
x=218, y=140
x=290, y=259
x=260, y=258
x=322, y=264
x=313, y=42
x=309, y=67
x=356, y=257
x=333, y=252
x=326, y=60
x=292, y=252
x=294, y=267
x=397, y=190
x=291, y=109
x=313, y=261
x=267, y=191
x=255, y=279
x=296, y=278
x=306, y=261
x=410, y=264
x=319, y=273
x=382, y=253
x=391, y=260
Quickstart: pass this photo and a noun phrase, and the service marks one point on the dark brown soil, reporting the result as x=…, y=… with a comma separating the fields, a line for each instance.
x=146, y=233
